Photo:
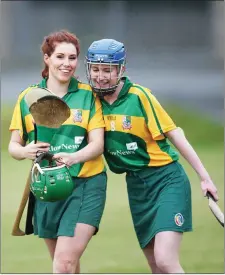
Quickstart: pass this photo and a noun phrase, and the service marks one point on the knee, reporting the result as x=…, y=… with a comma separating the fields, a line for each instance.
x=154, y=267
x=162, y=263
x=64, y=264
x=151, y=261
x=166, y=263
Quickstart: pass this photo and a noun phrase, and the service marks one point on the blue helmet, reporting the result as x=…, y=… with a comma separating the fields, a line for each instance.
x=108, y=52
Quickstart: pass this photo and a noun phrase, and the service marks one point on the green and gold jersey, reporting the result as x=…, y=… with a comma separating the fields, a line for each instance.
x=86, y=115
x=135, y=127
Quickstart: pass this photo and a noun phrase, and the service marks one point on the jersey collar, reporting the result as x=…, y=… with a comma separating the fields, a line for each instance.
x=73, y=86
x=126, y=86
x=122, y=94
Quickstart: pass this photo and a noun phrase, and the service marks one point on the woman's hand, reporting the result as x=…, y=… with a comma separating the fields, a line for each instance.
x=92, y=150
x=208, y=186
x=66, y=158
x=31, y=150
x=19, y=150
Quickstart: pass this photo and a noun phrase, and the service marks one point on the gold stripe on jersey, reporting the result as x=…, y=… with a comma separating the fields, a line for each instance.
x=16, y=122
x=92, y=167
x=140, y=129
x=83, y=123
x=157, y=156
x=70, y=121
x=96, y=121
x=29, y=123
x=147, y=99
x=84, y=86
x=138, y=125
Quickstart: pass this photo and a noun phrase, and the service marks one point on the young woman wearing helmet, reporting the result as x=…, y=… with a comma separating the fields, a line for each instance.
x=137, y=129
x=66, y=225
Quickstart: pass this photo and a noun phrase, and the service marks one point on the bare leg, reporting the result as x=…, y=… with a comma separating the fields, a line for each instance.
x=69, y=249
x=166, y=251
x=149, y=254
x=51, y=244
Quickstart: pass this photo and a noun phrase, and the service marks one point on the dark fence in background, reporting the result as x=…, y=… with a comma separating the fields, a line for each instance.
x=172, y=46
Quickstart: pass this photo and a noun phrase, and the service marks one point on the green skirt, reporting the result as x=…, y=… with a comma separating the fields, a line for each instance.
x=160, y=200
x=85, y=205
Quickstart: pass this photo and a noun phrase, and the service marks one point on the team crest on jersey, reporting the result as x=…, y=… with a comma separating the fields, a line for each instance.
x=77, y=115
x=127, y=123
x=179, y=219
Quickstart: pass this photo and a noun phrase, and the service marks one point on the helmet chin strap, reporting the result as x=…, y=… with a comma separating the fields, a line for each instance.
x=104, y=92
x=43, y=155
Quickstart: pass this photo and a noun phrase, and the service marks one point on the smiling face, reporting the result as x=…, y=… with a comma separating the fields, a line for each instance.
x=104, y=76
x=63, y=62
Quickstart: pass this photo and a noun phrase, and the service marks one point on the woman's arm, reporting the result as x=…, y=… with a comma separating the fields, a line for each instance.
x=94, y=148
x=19, y=150
x=179, y=140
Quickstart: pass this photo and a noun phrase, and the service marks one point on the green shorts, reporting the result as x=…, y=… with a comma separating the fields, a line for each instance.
x=85, y=205
x=160, y=200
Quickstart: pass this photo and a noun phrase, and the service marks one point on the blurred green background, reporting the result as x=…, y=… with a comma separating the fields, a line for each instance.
x=115, y=248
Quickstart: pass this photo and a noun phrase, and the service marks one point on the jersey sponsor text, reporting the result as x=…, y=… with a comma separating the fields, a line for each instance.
x=64, y=146
x=121, y=153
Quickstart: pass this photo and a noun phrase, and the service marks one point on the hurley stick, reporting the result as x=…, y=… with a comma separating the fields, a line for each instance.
x=49, y=113
x=16, y=231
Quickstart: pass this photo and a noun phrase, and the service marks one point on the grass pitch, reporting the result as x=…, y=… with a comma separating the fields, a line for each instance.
x=115, y=248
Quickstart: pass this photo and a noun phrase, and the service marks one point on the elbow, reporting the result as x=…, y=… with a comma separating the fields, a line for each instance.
x=13, y=153
x=10, y=150
x=96, y=147
x=101, y=148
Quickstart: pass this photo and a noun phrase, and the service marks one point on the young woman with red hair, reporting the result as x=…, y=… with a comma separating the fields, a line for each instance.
x=68, y=225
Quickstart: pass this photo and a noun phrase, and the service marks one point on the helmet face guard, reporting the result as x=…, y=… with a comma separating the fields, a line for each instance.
x=105, y=52
x=103, y=91
x=50, y=183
